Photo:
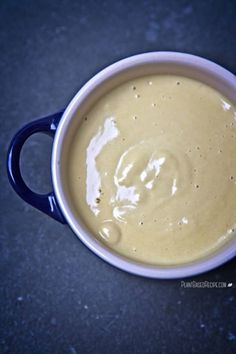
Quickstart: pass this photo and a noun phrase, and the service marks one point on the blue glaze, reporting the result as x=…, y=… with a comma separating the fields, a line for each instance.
x=46, y=203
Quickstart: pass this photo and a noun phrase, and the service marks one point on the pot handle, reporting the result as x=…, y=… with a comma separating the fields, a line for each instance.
x=46, y=203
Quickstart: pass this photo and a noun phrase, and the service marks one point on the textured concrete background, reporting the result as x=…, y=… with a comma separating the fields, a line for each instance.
x=55, y=295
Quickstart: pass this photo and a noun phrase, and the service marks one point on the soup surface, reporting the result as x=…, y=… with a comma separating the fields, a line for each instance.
x=152, y=169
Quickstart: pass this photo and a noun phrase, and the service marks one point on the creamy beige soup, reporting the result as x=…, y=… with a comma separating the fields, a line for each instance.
x=152, y=169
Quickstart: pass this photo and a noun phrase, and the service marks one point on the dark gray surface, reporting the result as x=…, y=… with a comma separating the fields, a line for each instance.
x=56, y=296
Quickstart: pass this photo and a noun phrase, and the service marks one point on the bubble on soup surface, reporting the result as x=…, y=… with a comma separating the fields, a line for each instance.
x=110, y=232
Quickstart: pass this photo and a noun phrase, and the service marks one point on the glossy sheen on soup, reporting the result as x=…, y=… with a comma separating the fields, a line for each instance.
x=152, y=169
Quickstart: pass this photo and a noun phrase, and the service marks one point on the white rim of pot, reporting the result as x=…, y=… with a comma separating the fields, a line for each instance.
x=138, y=268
